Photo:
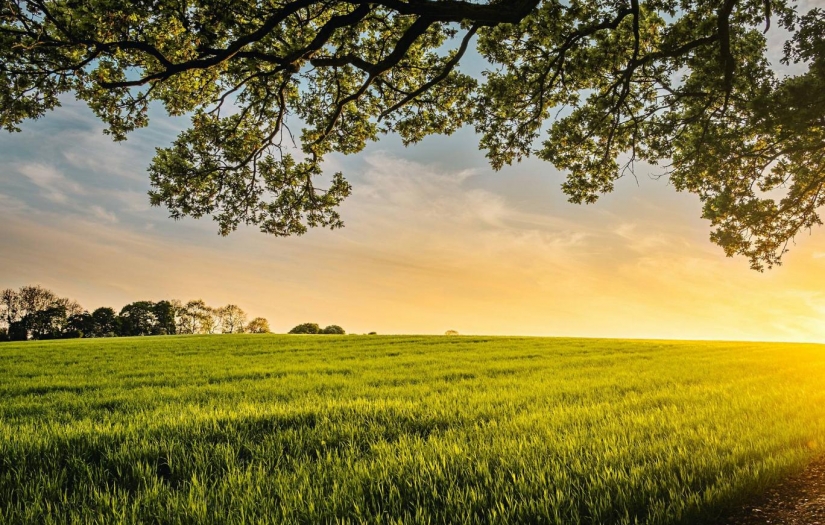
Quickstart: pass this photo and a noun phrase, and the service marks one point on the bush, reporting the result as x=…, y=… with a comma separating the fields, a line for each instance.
x=372, y=333
x=450, y=332
x=306, y=328
x=333, y=329
x=4, y=334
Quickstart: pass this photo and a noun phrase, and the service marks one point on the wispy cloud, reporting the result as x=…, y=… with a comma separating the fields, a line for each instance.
x=11, y=204
x=53, y=184
x=429, y=245
x=103, y=214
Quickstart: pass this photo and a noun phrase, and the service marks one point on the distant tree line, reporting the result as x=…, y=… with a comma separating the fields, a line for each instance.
x=34, y=312
x=315, y=328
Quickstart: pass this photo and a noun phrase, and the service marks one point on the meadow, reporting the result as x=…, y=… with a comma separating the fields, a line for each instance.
x=392, y=429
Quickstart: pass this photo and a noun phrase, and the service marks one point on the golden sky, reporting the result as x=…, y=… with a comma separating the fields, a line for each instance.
x=435, y=240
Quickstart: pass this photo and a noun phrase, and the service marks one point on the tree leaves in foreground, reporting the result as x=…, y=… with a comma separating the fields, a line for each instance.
x=591, y=87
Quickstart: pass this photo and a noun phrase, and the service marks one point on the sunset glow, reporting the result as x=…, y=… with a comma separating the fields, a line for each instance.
x=434, y=240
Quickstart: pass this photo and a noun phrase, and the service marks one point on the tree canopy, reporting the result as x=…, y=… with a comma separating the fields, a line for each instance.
x=591, y=87
x=259, y=325
x=34, y=312
x=306, y=328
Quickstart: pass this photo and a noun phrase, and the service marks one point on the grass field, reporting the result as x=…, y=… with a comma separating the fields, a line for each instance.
x=357, y=429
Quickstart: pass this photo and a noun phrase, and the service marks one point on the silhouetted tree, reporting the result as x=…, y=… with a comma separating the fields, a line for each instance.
x=36, y=299
x=72, y=307
x=37, y=312
x=49, y=323
x=166, y=318
x=138, y=318
x=18, y=331
x=34, y=312
x=106, y=322
x=80, y=325
x=10, y=307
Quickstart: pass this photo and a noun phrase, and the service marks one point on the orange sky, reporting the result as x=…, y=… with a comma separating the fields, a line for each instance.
x=434, y=240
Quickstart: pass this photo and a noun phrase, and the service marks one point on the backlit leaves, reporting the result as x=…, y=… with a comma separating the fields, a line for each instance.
x=592, y=87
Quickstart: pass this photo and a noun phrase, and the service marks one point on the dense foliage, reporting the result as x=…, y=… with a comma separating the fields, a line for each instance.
x=33, y=312
x=306, y=328
x=473, y=430
x=591, y=87
x=315, y=328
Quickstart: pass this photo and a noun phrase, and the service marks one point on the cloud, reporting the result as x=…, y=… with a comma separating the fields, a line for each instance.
x=442, y=210
x=94, y=152
x=54, y=185
x=103, y=214
x=426, y=248
x=12, y=204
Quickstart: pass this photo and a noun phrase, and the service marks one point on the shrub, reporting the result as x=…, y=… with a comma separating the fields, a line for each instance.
x=372, y=333
x=450, y=332
x=333, y=329
x=306, y=328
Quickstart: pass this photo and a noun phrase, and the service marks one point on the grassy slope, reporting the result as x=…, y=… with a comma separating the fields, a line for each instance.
x=255, y=429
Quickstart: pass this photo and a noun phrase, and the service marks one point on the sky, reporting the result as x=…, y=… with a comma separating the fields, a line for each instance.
x=435, y=240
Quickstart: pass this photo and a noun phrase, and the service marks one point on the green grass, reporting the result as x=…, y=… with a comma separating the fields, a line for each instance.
x=355, y=429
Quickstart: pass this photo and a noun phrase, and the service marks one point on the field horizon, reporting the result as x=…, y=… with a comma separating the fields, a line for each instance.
x=639, y=339
x=401, y=429
x=221, y=221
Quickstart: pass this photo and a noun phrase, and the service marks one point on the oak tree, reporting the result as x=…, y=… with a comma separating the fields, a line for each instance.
x=166, y=314
x=79, y=325
x=105, y=322
x=591, y=87
x=138, y=318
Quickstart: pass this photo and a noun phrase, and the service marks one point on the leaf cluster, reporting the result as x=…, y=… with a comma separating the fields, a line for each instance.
x=592, y=87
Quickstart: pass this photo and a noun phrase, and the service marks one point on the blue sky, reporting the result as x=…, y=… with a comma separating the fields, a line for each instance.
x=435, y=240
